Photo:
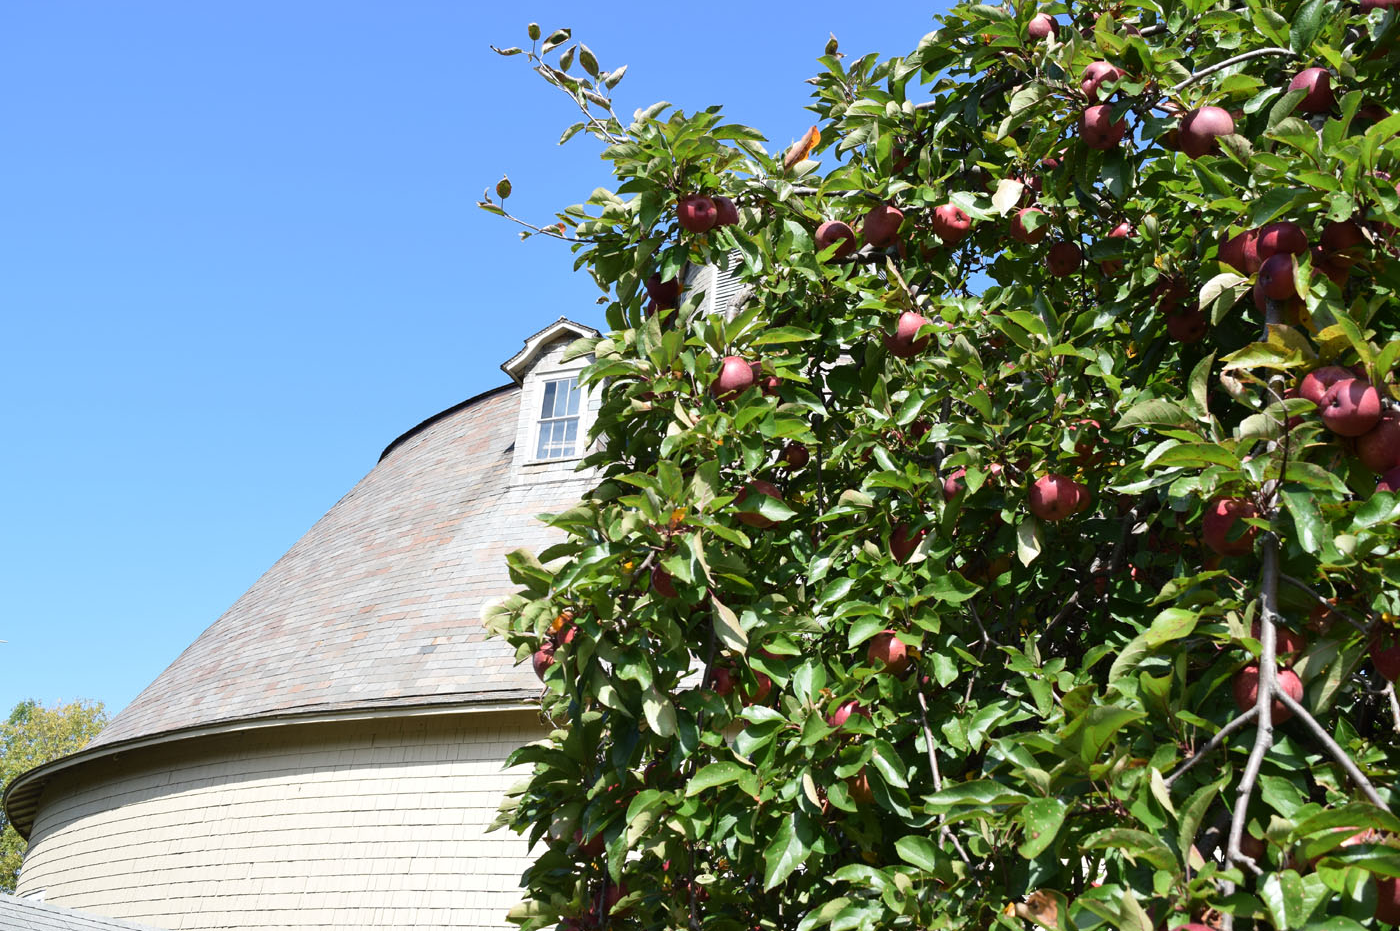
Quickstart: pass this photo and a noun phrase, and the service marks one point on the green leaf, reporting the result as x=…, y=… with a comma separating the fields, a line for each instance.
x=1306, y=23
x=1155, y=411
x=887, y=761
x=1042, y=818
x=1133, y=844
x=1028, y=540
x=1282, y=895
x=786, y=852
x=1307, y=518
x=714, y=774
x=919, y=851
x=728, y=629
x=659, y=712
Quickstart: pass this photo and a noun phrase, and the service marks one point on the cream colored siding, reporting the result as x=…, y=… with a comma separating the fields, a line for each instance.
x=348, y=825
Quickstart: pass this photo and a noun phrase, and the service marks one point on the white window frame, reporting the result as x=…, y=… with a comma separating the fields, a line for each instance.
x=540, y=420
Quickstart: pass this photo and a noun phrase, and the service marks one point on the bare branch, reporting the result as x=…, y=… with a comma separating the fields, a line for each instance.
x=1348, y=765
x=1389, y=691
x=1222, y=65
x=1219, y=738
x=943, y=832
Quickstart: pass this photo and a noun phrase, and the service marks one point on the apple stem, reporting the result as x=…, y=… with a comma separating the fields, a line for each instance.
x=943, y=833
x=1240, y=721
x=1222, y=65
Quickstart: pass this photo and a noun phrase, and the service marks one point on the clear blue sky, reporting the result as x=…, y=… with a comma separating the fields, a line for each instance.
x=240, y=253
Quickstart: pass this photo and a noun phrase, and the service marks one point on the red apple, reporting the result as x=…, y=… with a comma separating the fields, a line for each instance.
x=1385, y=654
x=1041, y=26
x=1218, y=526
x=1098, y=73
x=1082, y=497
x=1201, y=127
x=1053, y=497
x=1283, y=236
x=904, y=540
x=763, y=687
x=796, y=455
x=1342, y=236
x=726, y=213
x=1286, y=642
x=664, y=293
x=1241, y=252
x=1351, y=407
x=888, y=652
x=1019, y=231
x=753, y=518
x=1390, y=481
x=859, y=788
x=1334, y=266
x=881, y=225
x=843, y=712
x=662, y=583
x=903, y=344
x=736, y=375
x=1318, y=84
x=722, y=680
x=1112, y=267
x=543, y=659
x=1246, y=691
x=697, y=213
x=1097, y=128
x=1388, y=900
x=1064, y=258
x=1379, y=447
x=1187, y=326
x=590, y=849
x=953, y=484
x=1276, y=277
x=1315, y=384
x=834, y=231
x=950, y=224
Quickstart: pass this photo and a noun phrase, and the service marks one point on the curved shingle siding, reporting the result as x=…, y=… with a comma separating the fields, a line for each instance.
x=379, y=603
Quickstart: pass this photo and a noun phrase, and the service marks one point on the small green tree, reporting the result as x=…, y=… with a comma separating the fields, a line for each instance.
x=986, y=559
x=32, y=736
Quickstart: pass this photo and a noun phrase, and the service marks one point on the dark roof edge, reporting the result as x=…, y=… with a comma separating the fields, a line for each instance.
x=27, y=786
x=441, y=414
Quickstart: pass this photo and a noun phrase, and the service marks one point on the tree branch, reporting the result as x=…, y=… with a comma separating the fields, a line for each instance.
x=943, y=832
x=1357, y=777
x=1222, y=65
x=1219, y=738
x=1302, y=587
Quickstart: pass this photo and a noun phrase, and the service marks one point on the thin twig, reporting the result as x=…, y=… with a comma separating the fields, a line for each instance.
x=1220, y=66
x=943, y=832
x=1219, y=738
x=1340, y=755
x=1303, y=587
x=1394, y=704
x=552, y=231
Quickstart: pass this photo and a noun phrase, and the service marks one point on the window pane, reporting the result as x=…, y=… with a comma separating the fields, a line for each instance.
x=570, y=431
x=543, y=451
x=547, y=409
x=573, y=396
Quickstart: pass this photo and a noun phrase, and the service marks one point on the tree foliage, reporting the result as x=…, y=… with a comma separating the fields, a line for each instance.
x=32, y=736
x=980, y=652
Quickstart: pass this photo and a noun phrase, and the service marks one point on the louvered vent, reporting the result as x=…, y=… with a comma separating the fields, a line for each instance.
x=720, y=287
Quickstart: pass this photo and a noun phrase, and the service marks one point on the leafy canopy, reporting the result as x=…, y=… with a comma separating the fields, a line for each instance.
x=32, y=736
x=956, y=665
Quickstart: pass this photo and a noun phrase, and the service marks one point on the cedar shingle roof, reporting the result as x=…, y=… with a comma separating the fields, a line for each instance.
x=379, y=604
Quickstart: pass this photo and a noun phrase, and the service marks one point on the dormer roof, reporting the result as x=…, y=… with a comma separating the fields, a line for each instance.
x=517, y=365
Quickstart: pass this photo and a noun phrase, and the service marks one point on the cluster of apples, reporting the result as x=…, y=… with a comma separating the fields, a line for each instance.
x=561, y=633
x=737, y=375
x=1267, y=253
x=1288, y=647
x=1054, y=497
x=1351, y=407
x=698, y=213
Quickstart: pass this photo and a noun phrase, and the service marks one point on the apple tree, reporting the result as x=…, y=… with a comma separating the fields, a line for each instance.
x=1018, y=545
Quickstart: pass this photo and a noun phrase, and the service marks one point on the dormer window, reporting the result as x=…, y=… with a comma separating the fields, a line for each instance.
x=559, y=416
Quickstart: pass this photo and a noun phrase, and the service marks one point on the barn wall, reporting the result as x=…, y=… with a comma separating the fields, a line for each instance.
x=348, y=825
